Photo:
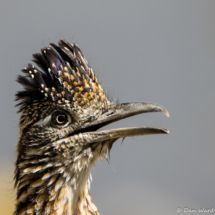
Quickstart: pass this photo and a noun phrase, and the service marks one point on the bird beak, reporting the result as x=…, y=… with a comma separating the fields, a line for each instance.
x=121, y=111
x=89, y=132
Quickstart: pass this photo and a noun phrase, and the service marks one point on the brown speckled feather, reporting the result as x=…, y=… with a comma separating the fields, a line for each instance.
x=48, y=175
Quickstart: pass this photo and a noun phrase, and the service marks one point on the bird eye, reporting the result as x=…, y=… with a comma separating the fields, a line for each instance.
x=60, y=118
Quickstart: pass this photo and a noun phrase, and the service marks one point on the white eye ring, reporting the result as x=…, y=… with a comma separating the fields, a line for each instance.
x=60, y=118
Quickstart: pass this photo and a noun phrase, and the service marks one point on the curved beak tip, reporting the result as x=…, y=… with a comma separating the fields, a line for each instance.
x=167, y=131
x=166, y=113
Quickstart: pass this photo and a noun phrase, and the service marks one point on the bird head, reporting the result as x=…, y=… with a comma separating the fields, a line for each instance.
x=62, y=107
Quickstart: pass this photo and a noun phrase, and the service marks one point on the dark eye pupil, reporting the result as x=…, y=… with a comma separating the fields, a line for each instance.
x=61, y=118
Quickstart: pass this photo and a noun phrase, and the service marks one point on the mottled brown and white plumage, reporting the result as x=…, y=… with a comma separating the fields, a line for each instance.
x=62, y=107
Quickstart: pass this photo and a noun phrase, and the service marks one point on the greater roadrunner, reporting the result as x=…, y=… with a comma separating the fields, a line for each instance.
x=62, y=108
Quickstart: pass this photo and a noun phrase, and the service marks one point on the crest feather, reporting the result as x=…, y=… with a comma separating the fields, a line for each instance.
x=61, y=75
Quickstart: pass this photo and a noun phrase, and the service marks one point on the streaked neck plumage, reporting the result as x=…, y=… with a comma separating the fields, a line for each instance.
x=62, y=187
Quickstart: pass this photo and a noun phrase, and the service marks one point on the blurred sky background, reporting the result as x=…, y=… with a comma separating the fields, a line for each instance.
x=161, y=51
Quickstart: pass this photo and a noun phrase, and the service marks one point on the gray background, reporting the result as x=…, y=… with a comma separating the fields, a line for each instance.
x=157, y=50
